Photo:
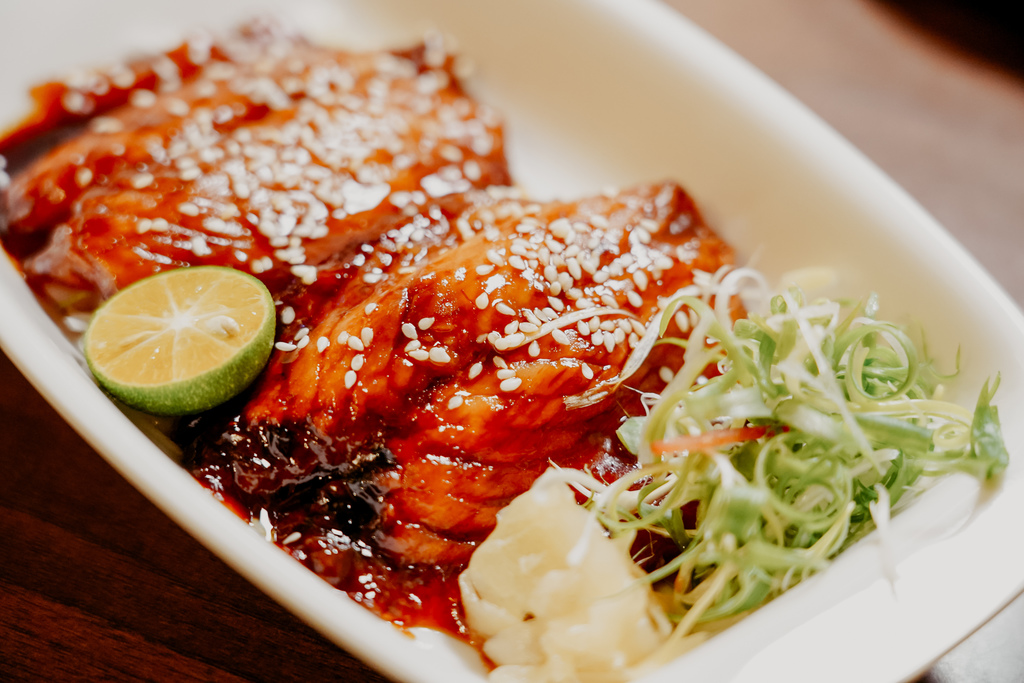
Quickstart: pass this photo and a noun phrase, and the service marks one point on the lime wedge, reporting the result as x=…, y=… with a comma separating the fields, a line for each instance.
x=182, y=341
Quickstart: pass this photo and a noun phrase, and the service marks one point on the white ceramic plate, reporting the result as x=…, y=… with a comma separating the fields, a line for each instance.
x=597, y=93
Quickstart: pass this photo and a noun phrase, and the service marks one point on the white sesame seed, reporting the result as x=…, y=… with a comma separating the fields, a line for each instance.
x=574, y=293
x=413, y=345
x=285, y=346
x=366, y=335
x=307, y=274
x=642, y=236
x=484, y=270
x=475, y=370
x=505, y=373
x=409, y=330
x=517, y=262
x=439, y=355
x=425, y=323
x=560, y=337
x=142, y=180
x=609, y=301
x=560, y=227
x=650, y=225
x=481, y=301
x=555, y=289
x=301, y=334
x=528, y=328
x=188, y=208
x=83, y=176
x=601, y=276
x=609, y=341
x=556, y=303
x=511, y=384
x=512, y=327
x=666, y=374
x=369, y=308
x=142, y=98
x=494, y=257
x=638, y=327
x=292, y=537
x=640, y=278
x=635, y=300
x=357, y=361
x=343, y=338
x=302, y=343
x=633, y=341
x=322, y=343
x=515, y=340
x=587, y=371
x=454, y=402
x=502, y=307
x=599, y=222
x=355, y=343
x=419, y=354
x=597, y=339
x=574, y=268
x=350, y=379
x=534, y=349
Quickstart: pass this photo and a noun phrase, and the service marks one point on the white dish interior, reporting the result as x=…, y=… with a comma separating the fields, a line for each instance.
x=608, y=93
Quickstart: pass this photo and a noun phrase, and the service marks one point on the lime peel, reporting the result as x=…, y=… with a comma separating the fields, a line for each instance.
x=182, y=341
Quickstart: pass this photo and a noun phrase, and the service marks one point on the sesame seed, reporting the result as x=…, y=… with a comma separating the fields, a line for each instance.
x=322, y=343
x=292, y=537
x=574, y=293
x=597, y=339
x=307, y=274
x=425, y=323
x=640, y=278
x=355, y=343
x=534, y=349
x=439, y=355
x=555, y=289
x=301, y=334
x=413, y=345
x=511, y=384
x=633, y=341
x=502, y=307
x=642, y=236
x=284, y=346
x=505, y=373
x=142, y=180
x=357, y=361
x=556, y=303
x=638, y=327
x=560, y=227
x=484, y=270
x=601, y=276
x=188, y=208
x=634, y=299
x=574, y=268
x=83, y=176
x=587, y=371
x=350, y=379
x=528, y=328
x=650, y=225
x=142, y=98
x=666, y=374
x=475, y=370
x=517, y=262
x=302, y=343
x=366, y=335
x=343, y=338
x=419, y=354
x=409, y=330
x=494, y=257
x=373, y=278
x=454, y=402
x=481, y=301
x=369, y=308
x=512, y=327
x=560, y=337
x=599, y=222
x=609, y=341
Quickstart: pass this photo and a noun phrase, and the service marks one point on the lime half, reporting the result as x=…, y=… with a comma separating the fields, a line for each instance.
x=182, y=341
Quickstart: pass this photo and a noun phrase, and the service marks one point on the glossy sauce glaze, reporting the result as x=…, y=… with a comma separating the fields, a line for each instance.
x=432, y=322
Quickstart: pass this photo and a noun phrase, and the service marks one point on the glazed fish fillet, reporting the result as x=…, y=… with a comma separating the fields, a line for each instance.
x=257, y=151
x=420, y=382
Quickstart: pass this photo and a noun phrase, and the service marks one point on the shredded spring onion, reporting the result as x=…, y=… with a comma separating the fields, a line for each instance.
x=781, y=438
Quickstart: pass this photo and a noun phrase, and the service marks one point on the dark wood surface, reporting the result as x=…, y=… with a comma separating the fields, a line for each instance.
x=96, y=584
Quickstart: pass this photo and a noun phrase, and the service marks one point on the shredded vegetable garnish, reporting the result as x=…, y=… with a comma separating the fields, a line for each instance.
x=781, y=438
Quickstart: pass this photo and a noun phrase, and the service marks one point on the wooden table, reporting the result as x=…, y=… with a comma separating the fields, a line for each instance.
x=95, y=583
